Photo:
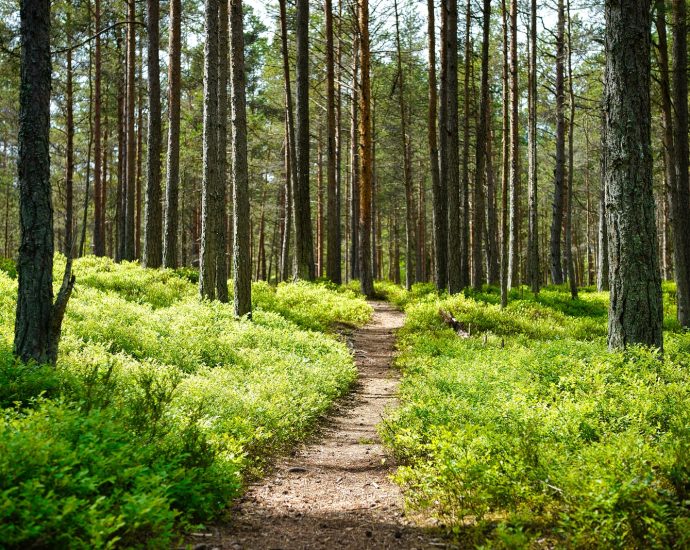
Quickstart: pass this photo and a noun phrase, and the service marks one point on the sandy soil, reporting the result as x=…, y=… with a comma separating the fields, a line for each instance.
x=334, y=491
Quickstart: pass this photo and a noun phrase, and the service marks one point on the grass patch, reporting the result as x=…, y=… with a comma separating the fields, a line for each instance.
x=531, y=432
x=160, y=406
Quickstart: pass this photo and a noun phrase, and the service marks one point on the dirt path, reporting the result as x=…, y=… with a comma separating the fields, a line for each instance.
x=335, y=492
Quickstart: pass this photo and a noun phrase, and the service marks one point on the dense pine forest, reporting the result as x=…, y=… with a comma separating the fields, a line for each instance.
x=344, y=274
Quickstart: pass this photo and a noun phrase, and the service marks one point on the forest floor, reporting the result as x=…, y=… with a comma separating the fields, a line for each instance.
x=335, y=490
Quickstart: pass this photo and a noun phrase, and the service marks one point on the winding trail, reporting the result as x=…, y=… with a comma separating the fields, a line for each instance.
x=335, y=491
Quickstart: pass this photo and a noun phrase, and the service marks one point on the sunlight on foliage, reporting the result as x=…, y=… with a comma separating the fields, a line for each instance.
x=161, y=405
x=532, y=430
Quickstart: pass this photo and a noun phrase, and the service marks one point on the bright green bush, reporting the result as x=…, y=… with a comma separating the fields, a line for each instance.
x=160, y=404
x=532, y=430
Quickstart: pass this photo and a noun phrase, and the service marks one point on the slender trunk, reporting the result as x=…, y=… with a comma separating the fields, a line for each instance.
x=635, y=314
x=69, y=161
x=173, y=160
x=481, y=146
x=304, y=241
x=98, y=152
x=514, y=244
x=449, y=144
x=506, y=163
x=209, y=185
x=438, y=189
x=140, y=154
x=85, y=210
x=153, y=215
x=121, y=195
x=572, y=278
x=240, y=169
x=603, y=239
x=533, y=270
x=319, y=205
x=365, y=155
x=333, y=245
x=130, y=188
x=287, y=221
x=220, y=206
x=354, y=164
x=493, y=254
x=465, y=182
x=680, y=195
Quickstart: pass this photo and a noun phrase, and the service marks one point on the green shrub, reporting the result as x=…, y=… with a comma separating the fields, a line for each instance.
x=160, y=405
x=531, y=428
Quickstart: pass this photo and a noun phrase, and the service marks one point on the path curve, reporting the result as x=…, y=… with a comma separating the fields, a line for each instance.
x=335, y=492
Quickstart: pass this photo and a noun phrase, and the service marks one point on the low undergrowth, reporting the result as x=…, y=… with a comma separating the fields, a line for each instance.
x=530, y=433
x=160, y=405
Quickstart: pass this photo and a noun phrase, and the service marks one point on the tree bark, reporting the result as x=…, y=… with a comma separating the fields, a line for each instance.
x=220, y=206
x=680, y=194
x=304, y=240
x=153, y=222
x=514, y=244
x=449, y=142
x=603, y=238
x=481, y=147
x=635, y=314
x=572, y=277
x=506, y=162
x=130, y=187
x=365, y=155
x=173, y=159
x=333, y=214
x=438, y=189
x=38, y=320
x=69, y=154
x=354, y=162
x=240, y=171
x=533, y=267
x=99, y=189
x=465, y=182
x=209, y=185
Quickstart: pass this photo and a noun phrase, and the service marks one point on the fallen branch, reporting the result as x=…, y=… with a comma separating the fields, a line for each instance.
x=456, y=325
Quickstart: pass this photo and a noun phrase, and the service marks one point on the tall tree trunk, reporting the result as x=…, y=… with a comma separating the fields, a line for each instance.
x=291, y=160
x=220, y=206
x=85, y=209
x=240, y=171
x=69, y=160
x=438, y=188
x=173, y=160
x=319, y=205
x=449, y=142
x=680, y=195
x=514, y=244
x=38, y=319
x=99, y=189
x=410, y=244
x=559, y=171
x=493, y=254
x=354, y=162
x=506, y=162
x=635, y=314
x=121, y=194
x=153, y=215
x=533, y=268
x=209, y=185
x=333, y=214
x=481, y=146
x=139, y=153
x=365, y=155
x=304, y=240
x=465, y=182
x=338, y=256
x=130, y=188
x=572, y=278
x=603, y=236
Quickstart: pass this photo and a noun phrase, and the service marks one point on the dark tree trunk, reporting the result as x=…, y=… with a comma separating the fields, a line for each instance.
x=333, y=214
x=130, y=187
x=220, y=206
x=514, y=244
x=173, y=161
x=354, y=164
x=69, y=160
x=481, y=147
x=493, y=254
x=240, y=171
x=449, y=142
x=680, y=194
x=506, y=162
x=533, y=267
x=121, y=194
x=99, y=189
x=572, y=277
x=603, y=239
x=291, y=153
x=465, y=182
x=365, y=155
x=410, y=237
x=304, y=240
x=438, y=188
x=153, y=216
x=559, y=170
x=38, y=319
x=210, y=183
x=635, y=314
